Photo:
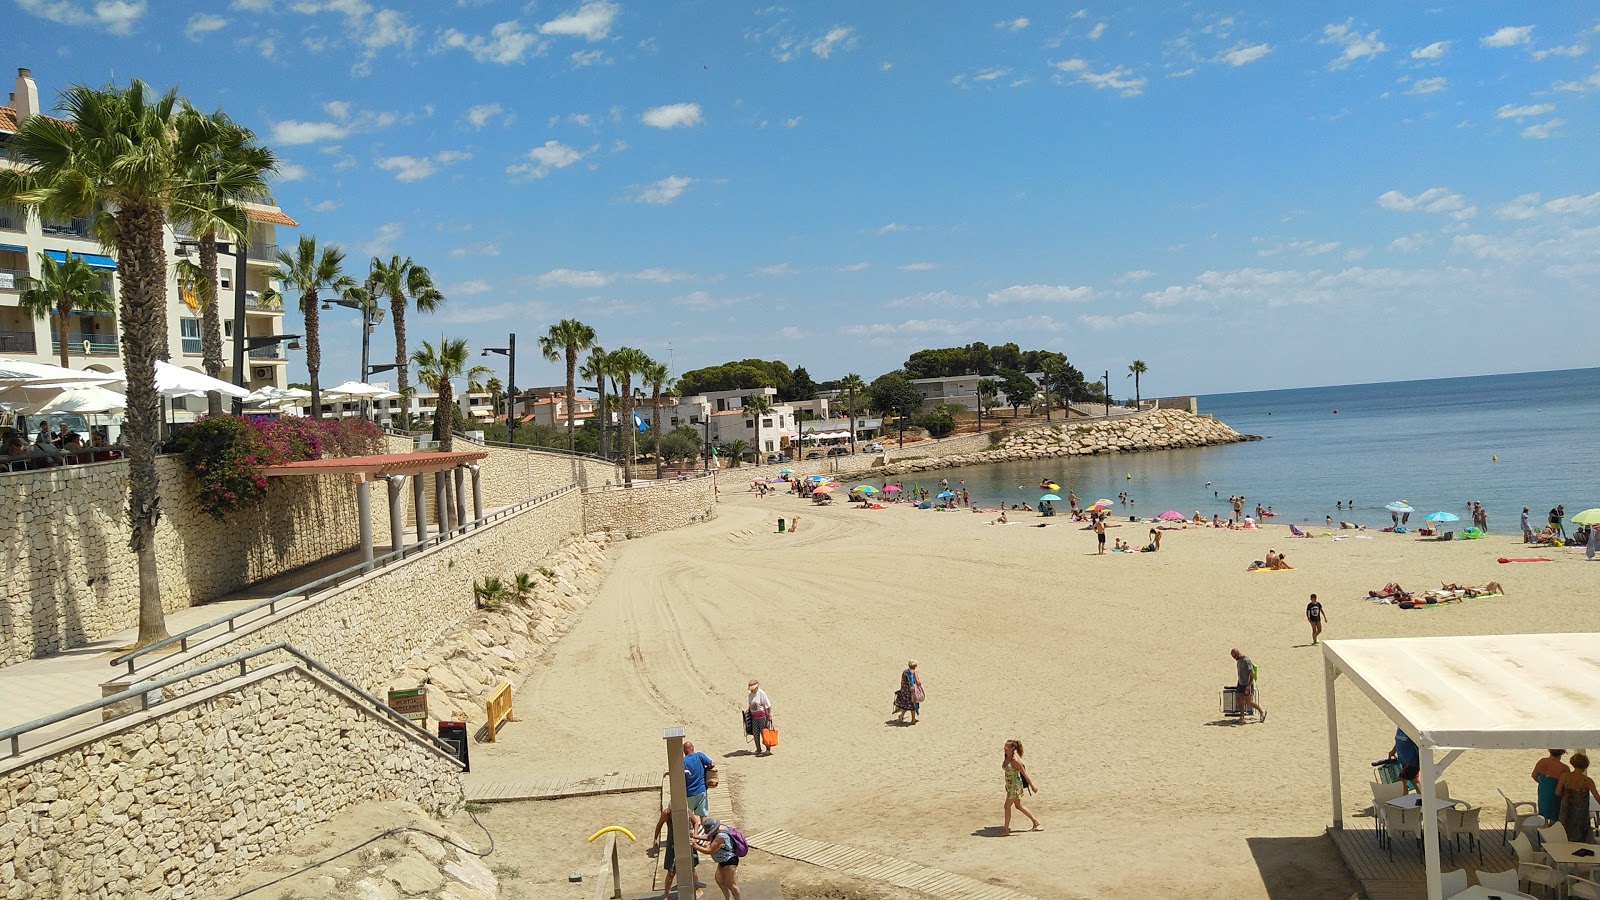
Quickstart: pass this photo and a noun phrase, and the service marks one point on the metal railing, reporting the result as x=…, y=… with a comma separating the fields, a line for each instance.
x=74, y=228
x=532, y=448
x=18, y=342
x=19, y=279
x=142, y=692
x=267, y=252
x=273, y=352
x=98, y=343
x=304, y=592
x=12, y=219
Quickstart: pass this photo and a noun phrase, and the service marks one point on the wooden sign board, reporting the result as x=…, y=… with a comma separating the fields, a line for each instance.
x=412, y=704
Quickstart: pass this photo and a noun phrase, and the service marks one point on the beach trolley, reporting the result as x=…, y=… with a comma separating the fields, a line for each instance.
x=1230, y=700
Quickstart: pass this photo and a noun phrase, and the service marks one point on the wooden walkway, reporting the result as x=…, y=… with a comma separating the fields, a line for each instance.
x=876, y=867
x=503, y=790
x=1401, y=878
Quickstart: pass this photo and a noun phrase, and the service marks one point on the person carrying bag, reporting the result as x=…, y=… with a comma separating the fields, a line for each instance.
x=758, y=718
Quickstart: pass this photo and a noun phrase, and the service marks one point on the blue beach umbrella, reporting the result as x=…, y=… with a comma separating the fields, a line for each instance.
x=945, y=495
x=1051, y=497
x=1441, y=517
x=1399, y=506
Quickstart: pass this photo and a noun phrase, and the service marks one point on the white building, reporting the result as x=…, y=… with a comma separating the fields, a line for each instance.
x=960, y=390
x=475, y=404
x=724, y=418
x=93, y=341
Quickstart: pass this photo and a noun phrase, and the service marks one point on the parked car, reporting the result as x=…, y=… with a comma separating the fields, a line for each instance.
x=777, y=458
x=874, y=447
x=838, y=451
x=814, y=454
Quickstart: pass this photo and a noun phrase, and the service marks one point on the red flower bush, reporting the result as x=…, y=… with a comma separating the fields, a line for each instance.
x=227, y=453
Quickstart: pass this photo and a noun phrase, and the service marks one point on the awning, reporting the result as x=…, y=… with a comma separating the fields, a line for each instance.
x=95, y=260
x=13, y=248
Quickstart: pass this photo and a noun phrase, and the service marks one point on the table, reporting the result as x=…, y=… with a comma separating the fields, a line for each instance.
x=1479, y=892
x=1561, y=853
x=1414, y=801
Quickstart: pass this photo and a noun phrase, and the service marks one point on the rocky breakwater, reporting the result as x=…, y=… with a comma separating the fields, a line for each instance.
x=1166, y=429
x=508, y=633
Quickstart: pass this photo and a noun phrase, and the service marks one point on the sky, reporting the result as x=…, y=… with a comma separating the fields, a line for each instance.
x=1243, y=196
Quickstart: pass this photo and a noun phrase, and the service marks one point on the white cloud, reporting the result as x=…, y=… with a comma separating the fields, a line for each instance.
x=673, y=115
x=897, y=228
x=664, y=191
x=1289, y=287
x=1584, y=86
x=1510, y=111
x=1435, y=50
x=323, y=206
x=1016, y=24
x=1352, y=44
x=1135, y=318
x=1428, y=85
x=793, y=121
x=839, y=37
x=543, y=158
x=482, y=114
x=933, y=300
x=776, y=270
x=1411, y=243
x=383, y=239
x=389, y=28
x=507, y=43
x=1040, y=293
x=290, y=132
x=591, y=21
x=582, y=58
x=1135, y=275
x=1118, y=79
x=1544, y=130
x=288, y=171
x=1307, y=248
x=450, y=157
x=408, y=168
x=656, y=275
x=1573, y=205
x=856, y=267
x=587, y=279
x=1577, y=48
x=202, y=24
x=470, y=288
x=490, y=249
x=1509, y=36
x=919, y=267
x=115, y=16
x=1097, y=32
x=1433, y=200
x=1243, y=56
x=590, y=279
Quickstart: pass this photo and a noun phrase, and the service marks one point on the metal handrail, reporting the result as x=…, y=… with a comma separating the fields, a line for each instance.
x=305, y=591
x=142, y=692
x=534, y=449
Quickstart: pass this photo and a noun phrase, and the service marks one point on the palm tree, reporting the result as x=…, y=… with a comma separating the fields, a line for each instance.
x=625, y=363
x=437, y=369
x=1135, y=369
x=497, y=398
x=568, y=338
x=311, y=270
x=229, y=169
x=656, y=376
x=119, y=155
x=63, y=288
x=598, y=368
x=737, y=450
x=399, y=280
x=850, y=384
x=759, y=405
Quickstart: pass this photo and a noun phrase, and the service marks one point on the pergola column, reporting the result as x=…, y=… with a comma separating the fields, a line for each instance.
x=461, y=500
x=477, y=494
x=397, y=516
x=1430, y=823
x=364, y=513
x=419, y=506
x=441, y=503
x=1330, y=674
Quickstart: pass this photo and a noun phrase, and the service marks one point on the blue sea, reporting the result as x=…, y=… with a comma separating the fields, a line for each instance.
x=1507, y=441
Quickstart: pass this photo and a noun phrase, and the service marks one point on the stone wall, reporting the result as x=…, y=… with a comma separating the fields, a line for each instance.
x=69, y=577
x=368, y=628
x=166, y=803
x=648, y=508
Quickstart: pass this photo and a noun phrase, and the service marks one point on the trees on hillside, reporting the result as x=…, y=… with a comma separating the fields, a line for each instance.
x=976, y=358
x=744, y=375
x=894, y=394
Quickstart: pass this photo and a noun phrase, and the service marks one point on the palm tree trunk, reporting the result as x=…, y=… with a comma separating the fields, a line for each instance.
x=210, y=319
x=626, y=395
x=309, y=309
x=62, y=311
x=600, y=384
x=444, y=417
x=572, y=400
x=397, y=309
x=143, y=267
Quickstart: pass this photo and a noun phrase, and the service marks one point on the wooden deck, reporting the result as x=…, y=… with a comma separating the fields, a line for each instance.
x=504, y=790
x=1401, y=878
x=876, y=867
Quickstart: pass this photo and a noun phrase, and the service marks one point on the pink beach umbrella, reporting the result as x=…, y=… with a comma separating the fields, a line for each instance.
x=1171, y=515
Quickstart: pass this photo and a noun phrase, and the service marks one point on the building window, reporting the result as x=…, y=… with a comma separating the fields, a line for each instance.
x=227, y=328
x=190, y=331
x=749, y=423
x=769, y=446
x=674, y=421
x=766, y=423
x=223, y=278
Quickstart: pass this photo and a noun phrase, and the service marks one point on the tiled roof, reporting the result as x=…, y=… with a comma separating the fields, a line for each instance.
x=8, y=119
x=274, y=216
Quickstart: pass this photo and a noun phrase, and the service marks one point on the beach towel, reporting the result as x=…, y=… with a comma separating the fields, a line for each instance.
x=1526, y=559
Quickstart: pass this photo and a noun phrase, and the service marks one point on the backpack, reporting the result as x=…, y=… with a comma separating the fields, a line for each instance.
x=741, y=847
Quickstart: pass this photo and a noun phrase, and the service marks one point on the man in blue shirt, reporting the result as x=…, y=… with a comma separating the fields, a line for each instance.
x=695, y=766
x=1405, y=753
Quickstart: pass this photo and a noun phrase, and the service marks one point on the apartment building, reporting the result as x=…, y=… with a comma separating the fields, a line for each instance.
x=723, y=416
x=93, y=341
x=477, y=405
x=548, y=406
x=959, y=390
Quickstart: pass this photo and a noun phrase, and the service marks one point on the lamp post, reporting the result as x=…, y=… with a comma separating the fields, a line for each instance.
x=510, y=353
x=1107, y=383
x=371, y=315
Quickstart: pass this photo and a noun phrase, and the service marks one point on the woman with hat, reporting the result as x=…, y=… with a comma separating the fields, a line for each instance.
x=759, y=710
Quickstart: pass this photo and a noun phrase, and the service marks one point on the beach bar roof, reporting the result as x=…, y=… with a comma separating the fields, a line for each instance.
x=1476, y=692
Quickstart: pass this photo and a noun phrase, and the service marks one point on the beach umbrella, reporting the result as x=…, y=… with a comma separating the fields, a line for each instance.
x=355, y=389
x=785, y=471
x=176, y=381
x=1441, y=517
x=1171, y=515
x=1051, y=497
x=1399, y=506
x=895, y=489
x=19, y=371
x=825, y=489
x=863, y=489
x=945, y=495
x=90, y=399
x=1587, y=517
x=817, y=478
x=1105, y=503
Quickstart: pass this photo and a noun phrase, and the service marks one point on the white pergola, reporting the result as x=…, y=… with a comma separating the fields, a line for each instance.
x=1478, y=692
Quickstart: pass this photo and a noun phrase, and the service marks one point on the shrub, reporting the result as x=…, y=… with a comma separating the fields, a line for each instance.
x=226, y=453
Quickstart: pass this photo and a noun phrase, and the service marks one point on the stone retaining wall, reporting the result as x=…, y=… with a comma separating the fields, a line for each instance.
x=166, y=803
x=368, y=628
x=69, y=577
x=512, y=475
x=649, y=508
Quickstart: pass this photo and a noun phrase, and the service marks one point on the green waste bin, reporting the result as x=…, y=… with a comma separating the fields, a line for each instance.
x=781, y=525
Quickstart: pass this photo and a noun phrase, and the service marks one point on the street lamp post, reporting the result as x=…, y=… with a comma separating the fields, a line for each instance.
x=1107, y=383
x=510, y=353
x=371, y=315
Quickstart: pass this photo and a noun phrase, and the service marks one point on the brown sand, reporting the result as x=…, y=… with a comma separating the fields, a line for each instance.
x=1107, y=668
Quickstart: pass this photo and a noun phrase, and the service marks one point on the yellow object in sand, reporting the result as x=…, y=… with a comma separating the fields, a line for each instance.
x=610, y=828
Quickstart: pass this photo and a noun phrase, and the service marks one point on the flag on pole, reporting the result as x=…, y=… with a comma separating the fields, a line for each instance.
x=640, y=424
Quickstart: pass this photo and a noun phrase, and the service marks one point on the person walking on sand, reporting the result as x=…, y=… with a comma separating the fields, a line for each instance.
x=1316, y=616
x=1246, y=686
x=1100, y=535
x=908, y=699
x=1017, y=783
x=1527, y=531
x=759, y=710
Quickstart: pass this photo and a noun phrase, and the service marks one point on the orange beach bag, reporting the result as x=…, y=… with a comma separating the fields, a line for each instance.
x=769, y=737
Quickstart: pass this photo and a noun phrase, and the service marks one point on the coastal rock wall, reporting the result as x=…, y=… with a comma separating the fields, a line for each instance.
x=647, y=508
x=69, y=577
x=166, y=803
x=367, y=629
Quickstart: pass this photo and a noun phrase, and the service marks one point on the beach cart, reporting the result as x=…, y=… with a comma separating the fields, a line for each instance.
x=1230, y=700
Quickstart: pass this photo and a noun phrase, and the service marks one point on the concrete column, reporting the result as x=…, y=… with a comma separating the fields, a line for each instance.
x=678, y=787
x=419, y=505
x=441, y=502
x=397, y=516
x=364, y=512
x=460, y=495
x=477, y=495
x=1330, y=674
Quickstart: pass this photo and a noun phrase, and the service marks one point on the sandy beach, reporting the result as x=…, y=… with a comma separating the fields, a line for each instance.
x=1107, y=668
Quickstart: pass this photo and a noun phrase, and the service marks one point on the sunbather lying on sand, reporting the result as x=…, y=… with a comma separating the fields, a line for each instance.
x=1390, y=590
x=1352, y=525
x=1474, y=590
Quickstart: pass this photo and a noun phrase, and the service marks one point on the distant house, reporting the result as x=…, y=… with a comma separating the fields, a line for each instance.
x=723, y=418
x=961, y=390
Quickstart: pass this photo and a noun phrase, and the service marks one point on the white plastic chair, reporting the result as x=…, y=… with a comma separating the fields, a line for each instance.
x=1556, y=832
x=1582, y=888
x=1441, y=789
x=1381, y=795
x=1533, y=867
x=1404, y=821
x=1500, y=881
x=1517, y=812
x=1453, y=882
x=1457, y=823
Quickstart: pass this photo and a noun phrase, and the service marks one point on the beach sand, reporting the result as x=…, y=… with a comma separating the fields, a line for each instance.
x=1107, y=668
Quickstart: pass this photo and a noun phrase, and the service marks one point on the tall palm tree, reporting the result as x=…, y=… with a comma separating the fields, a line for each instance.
x=403, y=281
x=850, y=384
x=1135, y=369
x=597, y=368
x=568, y=338
x=118, y=154
x=759, y=405
x=656, y=376
x=62, y=289
x=312, y=270
x=230, y=168
x=437, y=369
x=625, y=363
